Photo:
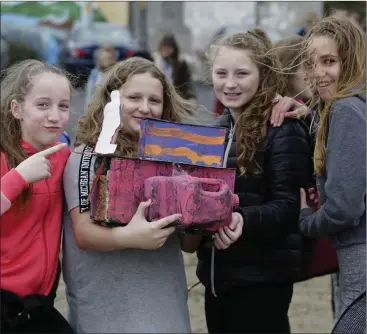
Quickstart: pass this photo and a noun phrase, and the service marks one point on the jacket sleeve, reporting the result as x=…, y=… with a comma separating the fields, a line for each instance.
x=345, y=186
x=12, y=183
x=5, y=204
x=286, y=171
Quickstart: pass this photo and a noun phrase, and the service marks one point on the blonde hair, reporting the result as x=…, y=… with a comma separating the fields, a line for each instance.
x=89, y=126
x=351, y=44
x=252, y=124
x=16, y=84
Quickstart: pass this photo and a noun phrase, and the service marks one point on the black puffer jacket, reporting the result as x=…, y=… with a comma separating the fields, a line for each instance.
x=270, y=246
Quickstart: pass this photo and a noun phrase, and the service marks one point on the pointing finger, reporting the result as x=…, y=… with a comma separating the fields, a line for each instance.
x=51, y=150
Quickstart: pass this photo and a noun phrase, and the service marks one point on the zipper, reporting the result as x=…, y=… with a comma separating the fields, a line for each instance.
x=228, y=148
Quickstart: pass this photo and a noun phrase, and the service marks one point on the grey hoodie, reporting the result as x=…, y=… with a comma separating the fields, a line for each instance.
x=342, y=214
x=342, y=192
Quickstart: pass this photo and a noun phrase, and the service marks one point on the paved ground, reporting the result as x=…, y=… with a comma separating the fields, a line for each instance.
x=310, y=310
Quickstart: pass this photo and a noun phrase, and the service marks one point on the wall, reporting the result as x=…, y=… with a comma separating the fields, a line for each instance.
x=115, y=12
x=278, y=18
x=194, y=22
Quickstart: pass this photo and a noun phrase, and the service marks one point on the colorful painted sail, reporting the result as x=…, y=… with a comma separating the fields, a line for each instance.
x=182, y=143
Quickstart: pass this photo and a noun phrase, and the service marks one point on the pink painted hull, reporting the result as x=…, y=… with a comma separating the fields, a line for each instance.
x=126, y=189
x=203, y=203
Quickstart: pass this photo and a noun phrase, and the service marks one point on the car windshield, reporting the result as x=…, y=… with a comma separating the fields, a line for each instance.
x=102, y=36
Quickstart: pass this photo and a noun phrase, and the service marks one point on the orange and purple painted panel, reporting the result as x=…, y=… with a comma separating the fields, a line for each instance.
x=182, y=143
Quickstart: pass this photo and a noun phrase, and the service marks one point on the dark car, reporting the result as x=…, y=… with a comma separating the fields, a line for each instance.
x=4, y=53
x=78, y=54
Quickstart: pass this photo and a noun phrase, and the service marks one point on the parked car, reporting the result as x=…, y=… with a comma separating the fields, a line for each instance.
x=4, y=53
x=40, y=40
x=78, y=53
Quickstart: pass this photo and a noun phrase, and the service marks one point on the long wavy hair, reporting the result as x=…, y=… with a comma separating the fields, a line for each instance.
x=17, y=82
x=351, y=44
x=252, y=123
x=175, y=108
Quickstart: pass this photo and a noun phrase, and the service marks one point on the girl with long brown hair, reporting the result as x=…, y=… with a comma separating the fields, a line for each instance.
x=128, y=279
x=336, y=68
x=35, y=108
x=249, y=286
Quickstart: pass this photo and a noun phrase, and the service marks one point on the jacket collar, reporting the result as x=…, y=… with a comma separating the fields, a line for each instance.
x=28, y=148
x=226, y=119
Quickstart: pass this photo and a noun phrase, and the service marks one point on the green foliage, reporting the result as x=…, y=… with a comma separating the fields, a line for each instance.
x=41, y=9
x=35, y=9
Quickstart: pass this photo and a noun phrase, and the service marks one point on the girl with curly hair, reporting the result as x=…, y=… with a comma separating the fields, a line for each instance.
x=249, y=286
x=127, y=279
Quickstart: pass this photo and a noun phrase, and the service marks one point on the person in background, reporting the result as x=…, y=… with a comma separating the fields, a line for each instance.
x=143, y=54
x=175, y=67
x=289, y=52
x=106, y=57
x=345, y=14
x=309, y=20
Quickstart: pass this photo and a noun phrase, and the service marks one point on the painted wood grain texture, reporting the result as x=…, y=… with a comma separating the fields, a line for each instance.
x=182, y=143
x=126, y=184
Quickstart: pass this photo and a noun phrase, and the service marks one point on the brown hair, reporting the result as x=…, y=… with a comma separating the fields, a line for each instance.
x=17, y=82
x=292, y=53
x=351, y=44
x=89, y=127
x=252, y=124
x=289, y=52
x=170, y=41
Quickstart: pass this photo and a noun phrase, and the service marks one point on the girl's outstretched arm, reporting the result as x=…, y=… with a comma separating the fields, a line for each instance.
x=5, y=204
